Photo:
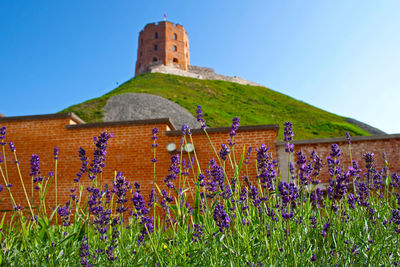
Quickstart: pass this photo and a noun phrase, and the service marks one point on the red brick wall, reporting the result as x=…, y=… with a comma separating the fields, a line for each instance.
x=360, y=145
x=128, y=151
x=165, y=42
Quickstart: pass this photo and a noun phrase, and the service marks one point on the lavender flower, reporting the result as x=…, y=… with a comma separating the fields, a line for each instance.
x=305, y=169
x=85, y=252
x=154, y=133
x=337, y=188
x=369, y=160
x=2, y=135
x=266, y=168
x=35, y=169
x=12, y=146
x=120, y=188
x=395, y=216
x=326, y=228
x=55, y=153
x=185, y=131
x=201, y=180
x=110, y=253
x=395, y=180
x=287, y=215
x=154, y=144
x=288, y=132
x=139, y=204
x=99, y=155
x=317, y=164
x=246, y=161
x=83, y=159
x=197, y=232
x=223, y=153
x=148, y=228
x=216, y=173
x=64, y=212
x=200, y=117
x=234, y=128
x=289, y=193
x=100, y=213
x=313, y=258
x=164, y=204
x=334, y=161
x=348, y=138
x=313, y=220
x=288, y=137
x=221, y=218
x=152, y=198
x=173, y=171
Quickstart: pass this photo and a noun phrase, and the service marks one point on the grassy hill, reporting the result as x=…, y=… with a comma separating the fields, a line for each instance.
x=221, y=101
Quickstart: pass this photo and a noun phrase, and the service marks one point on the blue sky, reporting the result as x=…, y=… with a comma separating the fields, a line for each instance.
x=341, y=56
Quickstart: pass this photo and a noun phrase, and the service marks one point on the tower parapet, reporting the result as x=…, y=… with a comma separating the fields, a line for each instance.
x=163, y=43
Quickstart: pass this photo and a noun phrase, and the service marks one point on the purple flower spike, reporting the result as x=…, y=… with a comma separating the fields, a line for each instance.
x=155, y=132
x=369, y=160
x=12, y=146
x=288, y=132
x=85, y=252
x=221, y=219
x=96, y=167
x=185, y=130
x=56, y=150
x=83, y=158
x=120, y=189
x=2, y=135
x=313, y=258
x=200, y=117
x=248, y=155
x=223, y=153
x=348, y=138
x=234, y=128
x=174, y=170
x=326, y=228
x=35, y=168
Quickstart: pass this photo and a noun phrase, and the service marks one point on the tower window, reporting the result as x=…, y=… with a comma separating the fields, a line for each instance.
x=175, y=49
x=156, y=35
x=141, y=53
x=175, y=60
x=155, y=59
x=155, y=47
x=175, y=36
x=141, y=41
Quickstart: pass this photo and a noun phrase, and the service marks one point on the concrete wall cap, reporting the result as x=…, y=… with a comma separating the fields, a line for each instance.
x=69, y=115
x=166, y=121
x=341, y=139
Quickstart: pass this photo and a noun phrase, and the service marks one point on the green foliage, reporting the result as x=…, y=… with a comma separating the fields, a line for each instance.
x=271, y=224
x=223, y=100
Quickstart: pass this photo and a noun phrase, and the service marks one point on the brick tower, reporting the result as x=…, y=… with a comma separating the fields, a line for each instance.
x=162, y=43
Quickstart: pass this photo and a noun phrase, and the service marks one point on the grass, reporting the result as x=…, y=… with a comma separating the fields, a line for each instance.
x=221, y=99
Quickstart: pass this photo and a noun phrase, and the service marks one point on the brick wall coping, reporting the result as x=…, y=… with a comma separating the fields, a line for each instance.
x=341, y=139
x=122, y=123
x=69, y=115
x=274, y=127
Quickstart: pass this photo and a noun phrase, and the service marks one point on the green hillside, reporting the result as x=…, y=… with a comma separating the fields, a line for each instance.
x=221, y=101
